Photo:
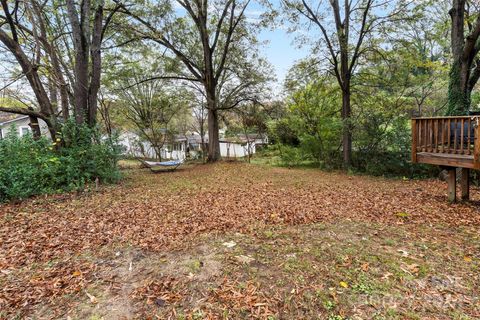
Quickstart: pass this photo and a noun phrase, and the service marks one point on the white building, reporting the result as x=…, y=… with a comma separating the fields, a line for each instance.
x=19, y=123
x=234, y=147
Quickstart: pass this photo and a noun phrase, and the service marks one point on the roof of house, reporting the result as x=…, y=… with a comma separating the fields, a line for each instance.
x=6, y=117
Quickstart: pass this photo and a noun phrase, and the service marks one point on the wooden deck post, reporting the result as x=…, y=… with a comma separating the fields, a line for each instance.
x=414, y=140
x=452, y=184
x=476, y=145
x=465, y=184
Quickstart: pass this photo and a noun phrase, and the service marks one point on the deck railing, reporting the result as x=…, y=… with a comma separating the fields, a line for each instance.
x=446, y=135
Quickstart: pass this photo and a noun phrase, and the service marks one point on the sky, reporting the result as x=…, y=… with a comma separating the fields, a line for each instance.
x=280, y=49
x=281, y=52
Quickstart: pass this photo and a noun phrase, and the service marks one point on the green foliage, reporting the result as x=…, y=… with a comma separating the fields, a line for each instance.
x=311, y=132
x=280, y=132
x=30, y=167
x=291, y=156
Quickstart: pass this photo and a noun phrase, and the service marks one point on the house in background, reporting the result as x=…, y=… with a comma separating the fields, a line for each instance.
x=191, y=143
x=19, y=123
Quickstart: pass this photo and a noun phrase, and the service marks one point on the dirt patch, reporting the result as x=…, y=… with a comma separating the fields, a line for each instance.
x=132, y=282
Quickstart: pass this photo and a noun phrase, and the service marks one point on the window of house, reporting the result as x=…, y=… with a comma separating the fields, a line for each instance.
x=24, y=130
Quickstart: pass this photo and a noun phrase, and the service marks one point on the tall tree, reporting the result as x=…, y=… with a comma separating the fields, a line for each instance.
x=41, y=36
x=465, y=69
x=346, y=41
x=209, y=38
x=11, y=33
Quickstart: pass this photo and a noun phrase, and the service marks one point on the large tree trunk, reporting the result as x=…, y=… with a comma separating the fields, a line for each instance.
x=95, y=72
x=213, y=136
x=202, y=140
x=213, y=132
x=87, y=80
x=347, y=127
x=35, y=126
x=212, y=121
x=458, y=95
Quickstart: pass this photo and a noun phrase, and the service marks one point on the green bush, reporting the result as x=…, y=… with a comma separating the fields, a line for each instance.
x=291, y=156
x=30, y=167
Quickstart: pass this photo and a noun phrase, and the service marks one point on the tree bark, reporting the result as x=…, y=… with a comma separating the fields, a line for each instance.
x=87, y=49
x=213, y=136
x=35, y=126
x=464, y=49
x=347, y=127
x=96, y=70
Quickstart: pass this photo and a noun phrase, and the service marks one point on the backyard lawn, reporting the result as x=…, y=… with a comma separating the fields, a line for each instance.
x=239, y=241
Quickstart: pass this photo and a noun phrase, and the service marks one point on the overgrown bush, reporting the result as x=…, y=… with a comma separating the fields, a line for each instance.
x=30, y=167
x=311, y=133
x=291, y=156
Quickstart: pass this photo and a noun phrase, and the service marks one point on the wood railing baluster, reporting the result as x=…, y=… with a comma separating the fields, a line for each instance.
x=422, y=122
x=443, y=135
x=461, y=135
x=455, y=136
x=449, y=134
x=430, y=135
x=469, y=130
x=433, y=136
x=414, y=140
x=476, y=148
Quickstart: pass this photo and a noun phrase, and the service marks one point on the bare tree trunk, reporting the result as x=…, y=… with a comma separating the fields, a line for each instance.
x=33, y=78
x=457, y=95
x=215, y=53
x=96, y=66
x=463, y=76
x=213, y=136
x=87, y=80
x=347, y=127
x=34, y=125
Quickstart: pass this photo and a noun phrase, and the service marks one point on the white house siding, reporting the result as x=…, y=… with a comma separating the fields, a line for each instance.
x=132, y=148
x=21, y=125
x=235, y=150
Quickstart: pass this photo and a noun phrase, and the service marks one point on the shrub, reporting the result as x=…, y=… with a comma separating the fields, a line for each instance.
x=30, y=167
x=291, y=156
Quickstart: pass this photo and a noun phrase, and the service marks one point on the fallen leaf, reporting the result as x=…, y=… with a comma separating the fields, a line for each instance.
x=402, y=215
x=230, y=244
x=387, y=275
x=365, y=266
x=343, y=284
x=92, y=298
x=413, y=268
x=244, y=259
x=159, y=302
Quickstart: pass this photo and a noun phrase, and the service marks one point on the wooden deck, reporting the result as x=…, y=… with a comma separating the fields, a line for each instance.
x=443, y=159
x=446, y=141
x=451, y=142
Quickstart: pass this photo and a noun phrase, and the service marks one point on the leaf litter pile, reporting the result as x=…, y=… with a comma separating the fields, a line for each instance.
x=234, y=240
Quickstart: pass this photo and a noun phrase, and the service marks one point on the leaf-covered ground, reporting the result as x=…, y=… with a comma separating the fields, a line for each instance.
x=238, y=241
